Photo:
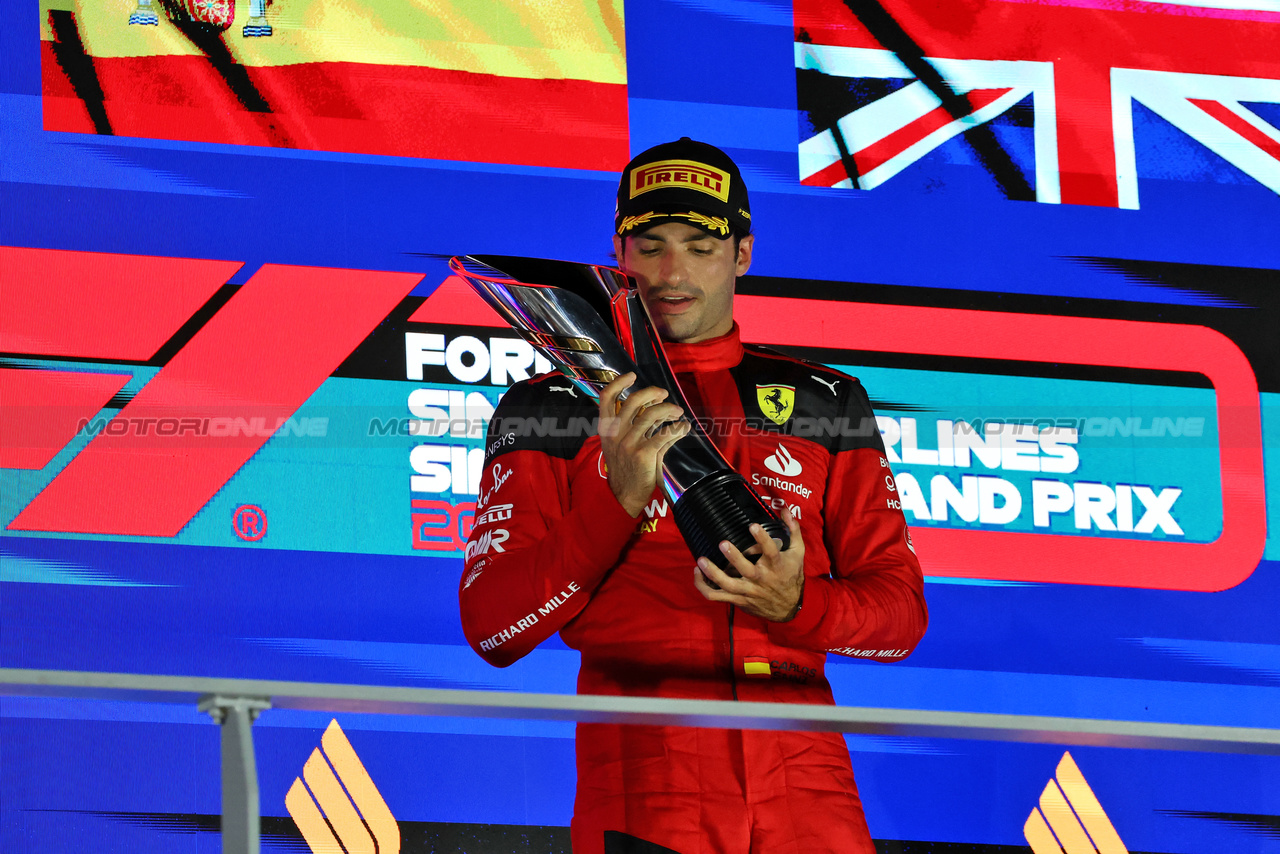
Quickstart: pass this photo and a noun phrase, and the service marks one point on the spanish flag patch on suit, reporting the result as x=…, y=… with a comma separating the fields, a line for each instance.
x=756, y=667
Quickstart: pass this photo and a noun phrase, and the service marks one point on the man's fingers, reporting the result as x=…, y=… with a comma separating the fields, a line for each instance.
x=739, y=561
x=647, y=422
x=700, y=582
x=711, y=594
x=767, y=545
x=714, y=594
x=609, y=425
x=669, y=435
x=609, y=394
x=638, y=401
x=793, y=527
x=720, y=578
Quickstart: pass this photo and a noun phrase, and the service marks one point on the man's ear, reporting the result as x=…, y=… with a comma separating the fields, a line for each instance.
x=617, y=249
x=744, y=254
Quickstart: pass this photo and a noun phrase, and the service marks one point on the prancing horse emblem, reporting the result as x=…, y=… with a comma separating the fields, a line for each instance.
x=776, y=401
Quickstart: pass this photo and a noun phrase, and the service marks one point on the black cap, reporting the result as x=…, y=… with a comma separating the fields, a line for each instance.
x=686, y=181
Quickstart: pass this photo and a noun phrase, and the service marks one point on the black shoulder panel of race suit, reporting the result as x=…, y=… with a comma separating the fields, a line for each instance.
x=796, y=397
x=546, y=413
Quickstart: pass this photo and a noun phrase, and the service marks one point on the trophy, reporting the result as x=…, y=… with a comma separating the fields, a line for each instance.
x=591, y=323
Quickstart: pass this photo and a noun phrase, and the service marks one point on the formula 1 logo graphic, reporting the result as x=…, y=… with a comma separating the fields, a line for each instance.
x=338, y=808
x=1070, y=818
x=149, y=483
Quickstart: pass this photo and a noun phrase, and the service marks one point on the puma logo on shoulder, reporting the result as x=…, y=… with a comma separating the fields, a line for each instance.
x=831, y=384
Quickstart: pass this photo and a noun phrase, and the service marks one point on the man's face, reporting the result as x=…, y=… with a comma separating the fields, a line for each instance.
x=686, y=278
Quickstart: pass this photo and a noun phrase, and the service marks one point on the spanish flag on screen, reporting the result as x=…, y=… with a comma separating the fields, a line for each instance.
x=496, y=81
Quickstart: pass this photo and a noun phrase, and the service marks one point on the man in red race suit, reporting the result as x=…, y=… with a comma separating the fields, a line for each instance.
x=572, y=535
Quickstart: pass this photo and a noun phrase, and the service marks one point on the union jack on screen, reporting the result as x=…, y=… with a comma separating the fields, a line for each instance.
x=1046, y=94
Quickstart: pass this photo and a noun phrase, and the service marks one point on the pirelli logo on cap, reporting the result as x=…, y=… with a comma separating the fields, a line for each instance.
x=680, y=173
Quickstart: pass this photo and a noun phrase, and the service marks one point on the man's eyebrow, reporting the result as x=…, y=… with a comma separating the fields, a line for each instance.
x=692, y=238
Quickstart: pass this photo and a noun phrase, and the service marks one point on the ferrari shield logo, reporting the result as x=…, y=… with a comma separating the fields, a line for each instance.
x=776, y=401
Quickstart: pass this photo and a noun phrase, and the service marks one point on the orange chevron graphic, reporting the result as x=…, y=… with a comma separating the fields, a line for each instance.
x=338, y=810
x=1069, y=819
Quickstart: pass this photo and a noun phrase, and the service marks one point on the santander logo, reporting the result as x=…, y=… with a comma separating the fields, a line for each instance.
x=783, y=463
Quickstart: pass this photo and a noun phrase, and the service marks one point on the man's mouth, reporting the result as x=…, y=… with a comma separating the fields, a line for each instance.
x=673, y=303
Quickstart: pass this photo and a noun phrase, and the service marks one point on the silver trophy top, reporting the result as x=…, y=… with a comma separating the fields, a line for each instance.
x=568, y=311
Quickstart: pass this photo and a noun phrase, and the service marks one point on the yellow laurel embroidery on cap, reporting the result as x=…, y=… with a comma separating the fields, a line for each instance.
x=711, y=223
x=630, y=222
x=688, y=174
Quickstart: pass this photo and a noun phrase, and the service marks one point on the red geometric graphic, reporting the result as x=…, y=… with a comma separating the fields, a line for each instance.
x=249, y=368
x=42, y=409
x=100, y=306
x=456, y=302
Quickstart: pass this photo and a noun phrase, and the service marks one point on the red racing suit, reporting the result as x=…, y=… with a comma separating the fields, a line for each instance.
x=553, y=550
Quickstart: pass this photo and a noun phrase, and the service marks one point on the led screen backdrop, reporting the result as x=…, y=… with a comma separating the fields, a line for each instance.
x=243, y=402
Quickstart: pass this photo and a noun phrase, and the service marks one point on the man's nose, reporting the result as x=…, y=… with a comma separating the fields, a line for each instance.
x=674, y=270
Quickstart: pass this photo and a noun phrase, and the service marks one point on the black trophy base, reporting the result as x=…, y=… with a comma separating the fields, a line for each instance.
x=723, y=507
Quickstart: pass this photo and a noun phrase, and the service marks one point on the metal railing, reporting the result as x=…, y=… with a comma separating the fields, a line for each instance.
x=236, y=703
